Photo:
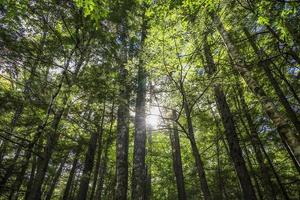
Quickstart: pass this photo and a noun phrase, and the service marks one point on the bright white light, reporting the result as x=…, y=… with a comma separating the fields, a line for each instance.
x=153, y=118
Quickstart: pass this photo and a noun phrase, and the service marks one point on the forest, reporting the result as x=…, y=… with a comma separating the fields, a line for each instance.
x=149, y=99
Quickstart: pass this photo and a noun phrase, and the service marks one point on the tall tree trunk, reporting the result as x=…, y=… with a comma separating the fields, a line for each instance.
x=281, y=185
x=148, y=188
x=139, y=173
x=42, y=165
x=266, y=67
x=74, y=190
x=254, y=175
x=89, y=161
x=122, y=138
x=122, y=118
x=9, y=171
x=220, y=182
x=177, y=163
x=99, y=153
x=195, y=151
x=104, y=158
x=234, y=147
x=278, y=120
x=261, y=155
x=32, y=173
x=56, y=178
x=230, y=131
x=139, y=153
x=254, y=139
x=67, y=190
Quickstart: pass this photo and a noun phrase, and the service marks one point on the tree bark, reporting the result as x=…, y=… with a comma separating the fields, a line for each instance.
x=254, y=175
x=196, y=154
x=67, y=190
x=89, y=161
x=139, y=173
x=235, y=150
x=42, y=165
x=9, y=170
x=56, y=178
x=254, y=139
x=177, y=163
x=122, y=138
x=278, y=120
x=99, y=153
x=104, y=158
x=266, y=67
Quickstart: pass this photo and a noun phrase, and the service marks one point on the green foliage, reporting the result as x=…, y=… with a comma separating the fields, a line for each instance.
x=67, y=55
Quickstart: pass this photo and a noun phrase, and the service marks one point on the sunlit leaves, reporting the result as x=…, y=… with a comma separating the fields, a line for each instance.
x=95, y=9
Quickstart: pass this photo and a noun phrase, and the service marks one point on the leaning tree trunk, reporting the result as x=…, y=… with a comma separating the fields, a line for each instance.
x=98, y=162
x=67, y=190
x=9, y=170
x=42, y=165
x=254, y=175
x=177, y=163
x=254, y=139
x=235, y=150
x=195, y=151
x=89, y=161
x=104, y=157
x=266, y=67
x=56, y=178
x=259, y=152
x=283, y=127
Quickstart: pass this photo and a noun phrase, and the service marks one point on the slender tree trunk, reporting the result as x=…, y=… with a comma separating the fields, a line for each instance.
x=261, y=154
x=254, y=139
x=282, y=187
x=31, y=178
x=56, y=178
x=9, y=171
x=97, y=167
x=42, y=166
x=104, y=158
x=195, y=151
x=234, y=147
x=122, y=119
x=266, y=67
x=256, y=182
x=220, y=182
x=177, y=164
x=235, y=150
x=139, y=153
x=148, y=187
x=67, y=190
x=73, y=191
x=278, y=120
x=89, y=162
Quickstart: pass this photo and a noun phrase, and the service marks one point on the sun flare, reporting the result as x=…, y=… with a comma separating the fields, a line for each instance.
x=153, y=117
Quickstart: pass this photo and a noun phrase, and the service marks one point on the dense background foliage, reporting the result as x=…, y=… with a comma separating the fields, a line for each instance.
x=75, y=75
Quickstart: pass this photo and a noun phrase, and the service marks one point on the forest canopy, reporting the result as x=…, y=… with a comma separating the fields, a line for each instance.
x=149, y=99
